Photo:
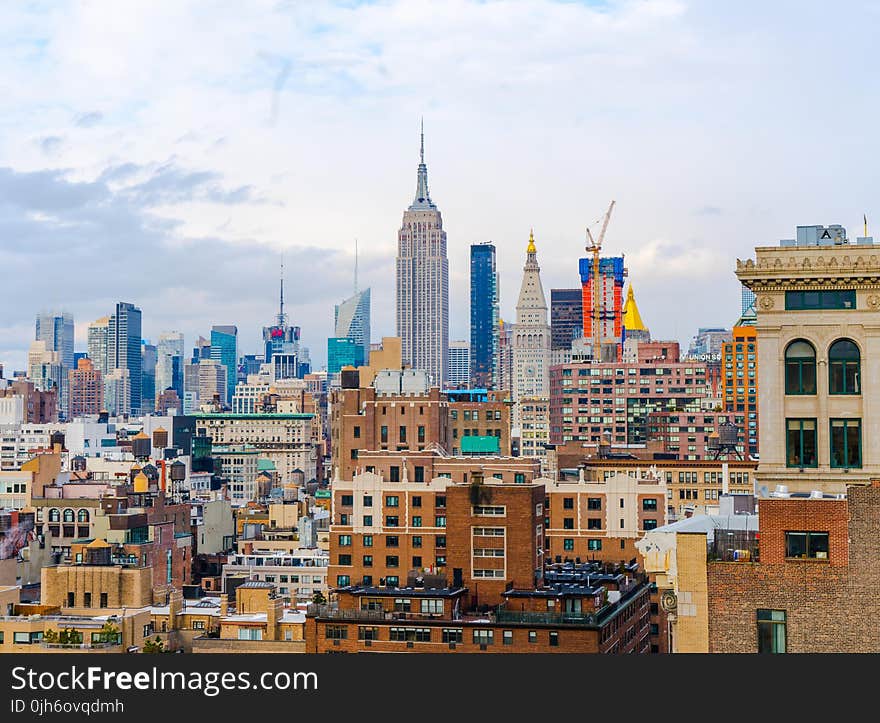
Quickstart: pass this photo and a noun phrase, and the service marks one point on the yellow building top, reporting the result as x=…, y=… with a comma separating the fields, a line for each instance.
x=632, y=320
x=98, y=543
x=530, y=249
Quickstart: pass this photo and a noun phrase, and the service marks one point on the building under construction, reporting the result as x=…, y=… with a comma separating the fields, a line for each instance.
x=610, y=313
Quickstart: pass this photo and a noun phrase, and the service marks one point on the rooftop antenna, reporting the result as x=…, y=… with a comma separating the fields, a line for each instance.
x=281, y=317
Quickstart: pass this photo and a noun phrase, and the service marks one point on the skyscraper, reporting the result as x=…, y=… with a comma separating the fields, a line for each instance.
x=610, y=312
x=124, y=349
x=484, y=315
x=86, y=389
x=169, y=365
x=224, y=350
x=352, y=321
x=423, y=283
x=566, y=317
x=56, y=331
x=531, y=335
x=280, y=337
x=149, y=359
x=459, y=365
x=98, y=343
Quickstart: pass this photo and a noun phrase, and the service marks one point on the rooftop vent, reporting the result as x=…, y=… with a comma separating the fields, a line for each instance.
x=816, y=495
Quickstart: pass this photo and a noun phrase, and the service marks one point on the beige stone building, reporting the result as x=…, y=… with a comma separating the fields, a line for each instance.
x=818, y=329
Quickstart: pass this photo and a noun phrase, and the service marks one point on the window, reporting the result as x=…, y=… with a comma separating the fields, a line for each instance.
x=392, y=561
x=568, y=544
x=368, y=520
x=417, y=541
x=367, y=633
x=432, y=606
x=394, y=473
x=402, y=435
x=594, y=524
x=843, y=368
x=771, y=631
x=533, y=636
x=417, y=521
x=343, y=519
x=357, y=432
x=568, y=503
x=440, y=500
x=368, y=560
x=103, y=599
x=568, y=523
x=507, y=637
x=391, y=521
x=649, y=505
x=391, y=541
x=484, y=637
x=489, y=511
x=342, y=581
x=440, y=541
x=336, y=632
x=255, y=633
x=345, y=540
x=594, y=503
x=440, y=521
x=417, y=499
x=594, y=545
x=800, y=368
x=347, y=500
x=392, y=501
x=519, y=478
x=383, y=434
x=453, y=635
x=368, y=500
x=846, y=443
x=368, y=540
x=197, y=625
x=82, y=516
x=800, y=442
x=807, y=545
x=344, y=560
x=649, y=524
x=805, y=300
x=71, y=599
x=421, y=434
x=554, y=639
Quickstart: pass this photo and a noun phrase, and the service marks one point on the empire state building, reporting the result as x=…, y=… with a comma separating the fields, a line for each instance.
x=423, y=283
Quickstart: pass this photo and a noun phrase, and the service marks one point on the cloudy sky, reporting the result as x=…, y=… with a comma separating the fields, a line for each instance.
x=168, y=153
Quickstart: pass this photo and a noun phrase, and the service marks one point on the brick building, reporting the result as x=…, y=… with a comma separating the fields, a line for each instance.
x=740, y=381
x=86, y=389
x=811, y=589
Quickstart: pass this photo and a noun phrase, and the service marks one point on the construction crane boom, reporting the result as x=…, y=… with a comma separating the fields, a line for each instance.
x=595, y=247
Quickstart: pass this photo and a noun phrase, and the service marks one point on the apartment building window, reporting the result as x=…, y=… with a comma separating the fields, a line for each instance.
x=368, y=540
x=843, y=368
x=453, y=635
x=649, y=524
x=806, y=545
x=343, y=518
x=417, y=500
x=568, y=544
x=336, y=632
x=594, y=503
x=533, y=636
x=440, y=500
x=432, y=606
x=417, y=541
x=391, y=541
x=440, y=541
x=568, y=503
x=507, y=637
x=800, y=368
x=846, y=443
x=417, y=521
x=392, y=561
x=391, y=521
x=345, y=540
x=568, y=523
x=392, y=501
x=800, y=442
x=357, y=433
x=649, y=505
x=402, y=605
x=402, y=435
x=771, y=631
x=71, y=599
x=416, y=562
x=440, y=521
x=554, y=639
x=368, y=501
x=344, y=560
x=484, y=637
x=420, y=474
x=368, y=520
x=392, y=581
x=519, y=478
x=367, y=633
x=368, y=561
x=809, y=300
x=87, y=599
x=347, y=500
x=341, y=581
x=594, y=545
x=394, y=473
x=421, y=434
x=383, y=434
x=103, y=600
x=594, y=523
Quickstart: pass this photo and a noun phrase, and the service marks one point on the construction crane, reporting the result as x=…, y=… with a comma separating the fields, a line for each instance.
x=595, y=247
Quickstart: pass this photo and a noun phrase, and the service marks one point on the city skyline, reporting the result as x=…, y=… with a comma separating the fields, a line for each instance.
x=78, y=172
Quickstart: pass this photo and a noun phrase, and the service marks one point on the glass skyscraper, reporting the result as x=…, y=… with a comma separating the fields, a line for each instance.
x=224, y=350
x=124, y=348
x=56, y=330
x=343, y=351
x=484, y=315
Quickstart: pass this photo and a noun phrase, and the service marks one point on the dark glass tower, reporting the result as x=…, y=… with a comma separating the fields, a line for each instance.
x=566, y=317
x=484, y=316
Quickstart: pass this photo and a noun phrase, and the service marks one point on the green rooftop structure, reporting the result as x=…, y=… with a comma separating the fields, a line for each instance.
x=481, y=445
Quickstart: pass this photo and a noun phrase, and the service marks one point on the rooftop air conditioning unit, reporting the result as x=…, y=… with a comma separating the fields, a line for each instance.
x=816, y=495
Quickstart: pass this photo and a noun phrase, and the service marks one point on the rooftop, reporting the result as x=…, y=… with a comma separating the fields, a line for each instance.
x=398, y=591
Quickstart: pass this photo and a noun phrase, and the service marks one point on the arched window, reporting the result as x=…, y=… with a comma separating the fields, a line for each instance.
x=68, y=515
x=843, y=368
x=54, y=515
x=800, y=368
x=82, y=516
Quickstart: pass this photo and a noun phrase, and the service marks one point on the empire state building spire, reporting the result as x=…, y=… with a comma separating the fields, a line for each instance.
x=423, y=200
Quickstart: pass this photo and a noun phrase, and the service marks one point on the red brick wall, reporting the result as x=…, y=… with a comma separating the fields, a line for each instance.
x=780, y=515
